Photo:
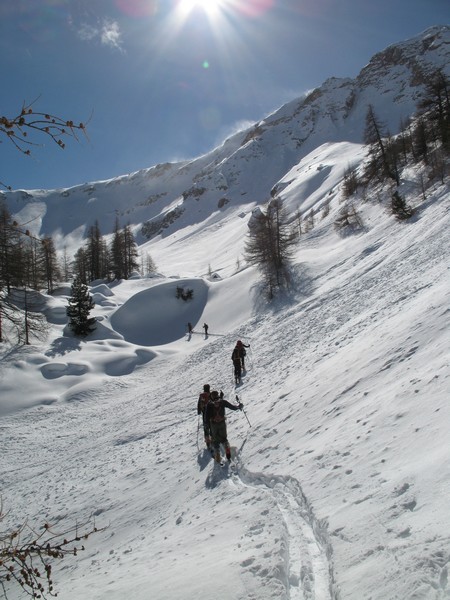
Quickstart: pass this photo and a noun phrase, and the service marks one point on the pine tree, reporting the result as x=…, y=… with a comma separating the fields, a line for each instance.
x=270, y=245
x=117, y=253
x=131, y=253
x=148, y=265
x=66, y=265
x=80, y=265
x=6, y=248
x=374, y=135
x=95, y=253
x=80, y=305
x=436, y=106
x=52, y=271
x=399, y=208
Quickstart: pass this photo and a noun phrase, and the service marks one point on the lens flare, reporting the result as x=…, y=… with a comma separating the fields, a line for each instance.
x=252, y=8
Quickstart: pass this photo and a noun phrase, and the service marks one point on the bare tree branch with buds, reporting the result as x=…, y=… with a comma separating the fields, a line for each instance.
x=27, y=556
x=21, y=129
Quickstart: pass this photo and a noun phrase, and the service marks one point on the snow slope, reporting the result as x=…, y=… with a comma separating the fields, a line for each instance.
x=342, y=480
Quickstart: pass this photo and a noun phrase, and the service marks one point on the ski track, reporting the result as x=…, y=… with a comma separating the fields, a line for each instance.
x=308, y=558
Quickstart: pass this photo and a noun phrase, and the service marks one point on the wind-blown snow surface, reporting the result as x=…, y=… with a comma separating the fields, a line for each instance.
x=341, y=489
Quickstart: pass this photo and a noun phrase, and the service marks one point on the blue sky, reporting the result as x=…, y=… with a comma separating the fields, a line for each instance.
x=165, y=80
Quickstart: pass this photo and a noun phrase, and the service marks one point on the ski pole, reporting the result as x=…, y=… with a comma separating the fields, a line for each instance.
x=237, y=398
x=246, y=417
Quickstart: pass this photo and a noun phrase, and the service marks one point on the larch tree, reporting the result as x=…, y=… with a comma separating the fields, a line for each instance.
x=374, y=137
x=269, y=245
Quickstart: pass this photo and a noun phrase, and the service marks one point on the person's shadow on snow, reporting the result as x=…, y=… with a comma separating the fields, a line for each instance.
x=219, y=473
x=204, y=458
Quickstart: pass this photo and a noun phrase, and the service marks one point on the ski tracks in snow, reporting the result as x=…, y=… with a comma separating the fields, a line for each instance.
x=308, y=552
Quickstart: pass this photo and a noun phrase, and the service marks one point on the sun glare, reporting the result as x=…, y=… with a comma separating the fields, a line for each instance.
x=211, y=7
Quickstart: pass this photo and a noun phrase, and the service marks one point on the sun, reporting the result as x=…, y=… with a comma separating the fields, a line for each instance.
x=211, y=7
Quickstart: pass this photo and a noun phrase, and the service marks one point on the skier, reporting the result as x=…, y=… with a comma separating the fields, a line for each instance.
x=205, y=327
x=236, y=358
x=240, y=346
x=202, y=403
x=190, y=330
x=215, y=415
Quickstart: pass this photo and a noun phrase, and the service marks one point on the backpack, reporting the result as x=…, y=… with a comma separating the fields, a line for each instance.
x=216, y=416
x=203, y=400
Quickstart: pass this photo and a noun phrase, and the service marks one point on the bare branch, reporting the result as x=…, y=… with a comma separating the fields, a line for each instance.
x=27, y=556
x=21, y=129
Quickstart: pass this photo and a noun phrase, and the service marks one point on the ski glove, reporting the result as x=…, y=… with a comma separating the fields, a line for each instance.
x=221, y=394
x=241, y=406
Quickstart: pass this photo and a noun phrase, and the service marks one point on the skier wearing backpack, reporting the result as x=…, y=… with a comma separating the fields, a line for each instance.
x=202, y=403
x=215, y=416
x=237, y=364
x=240, y=347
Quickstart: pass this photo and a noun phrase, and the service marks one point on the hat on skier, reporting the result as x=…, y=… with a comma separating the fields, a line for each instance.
x=215, y=395
x=239, y=343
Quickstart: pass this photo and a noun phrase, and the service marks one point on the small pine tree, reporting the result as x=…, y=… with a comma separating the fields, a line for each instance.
x=350, y=183
x=80, y=305
x=399, y=208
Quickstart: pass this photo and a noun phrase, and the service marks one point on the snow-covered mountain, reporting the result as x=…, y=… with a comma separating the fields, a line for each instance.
x=249, y=165
x=342, y=477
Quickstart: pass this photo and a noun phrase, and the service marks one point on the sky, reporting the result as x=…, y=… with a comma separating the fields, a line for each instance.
x=340, y=481
x=168, y=80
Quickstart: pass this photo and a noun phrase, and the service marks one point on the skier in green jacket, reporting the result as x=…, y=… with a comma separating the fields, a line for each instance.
x=215, y=416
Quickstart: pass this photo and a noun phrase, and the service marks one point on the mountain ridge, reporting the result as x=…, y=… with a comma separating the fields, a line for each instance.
x=247, y=167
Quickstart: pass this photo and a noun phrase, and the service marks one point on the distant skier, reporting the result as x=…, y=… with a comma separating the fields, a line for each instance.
x=240, y=346
x=236, y=358
x=215, y=415
x=190, y=330
x=202, y=403
x=205, y=327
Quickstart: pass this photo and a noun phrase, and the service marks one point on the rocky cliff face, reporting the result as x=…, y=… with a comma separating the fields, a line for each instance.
x=247, y=167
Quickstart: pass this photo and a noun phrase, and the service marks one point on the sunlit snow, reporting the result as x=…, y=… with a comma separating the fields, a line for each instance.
x=342, y=481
